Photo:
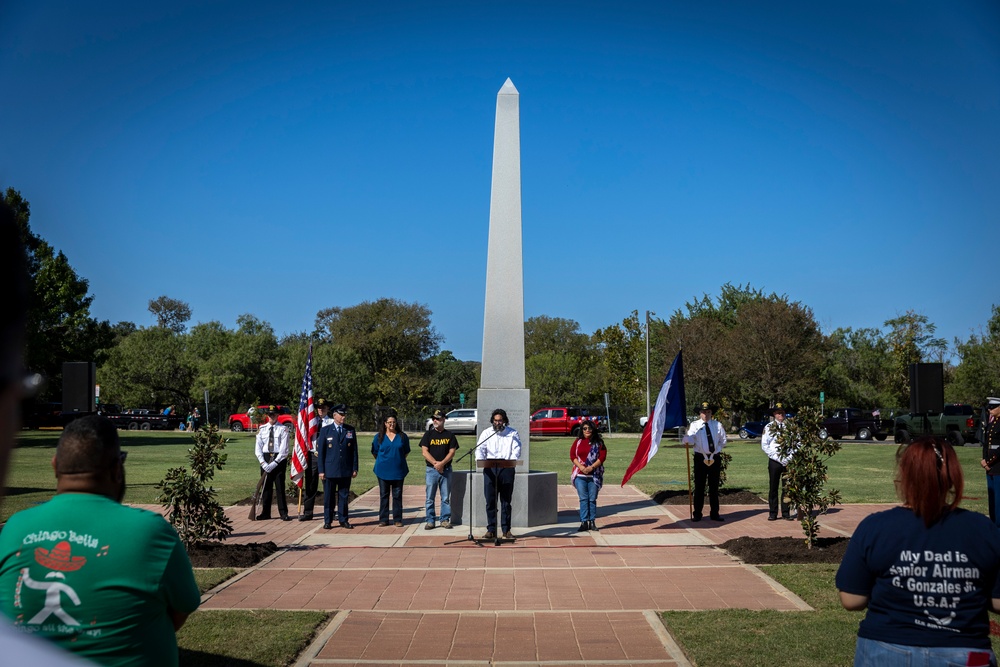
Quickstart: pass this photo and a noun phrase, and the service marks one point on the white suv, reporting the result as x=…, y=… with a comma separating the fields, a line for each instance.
x=458, y=421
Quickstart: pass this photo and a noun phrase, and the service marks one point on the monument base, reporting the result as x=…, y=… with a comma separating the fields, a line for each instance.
x=535, y=501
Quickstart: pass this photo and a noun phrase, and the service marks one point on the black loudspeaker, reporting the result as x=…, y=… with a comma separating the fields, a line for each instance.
x=79, y=380
x=926, y=388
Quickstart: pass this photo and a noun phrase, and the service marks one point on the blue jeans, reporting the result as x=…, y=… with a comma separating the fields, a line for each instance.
x=436, y=480
x=872, y=653
x=587, y=490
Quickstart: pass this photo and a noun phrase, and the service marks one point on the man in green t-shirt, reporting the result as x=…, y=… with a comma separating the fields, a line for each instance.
x=108, y=582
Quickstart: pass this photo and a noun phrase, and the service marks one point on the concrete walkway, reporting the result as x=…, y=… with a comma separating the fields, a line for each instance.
x=410, y=596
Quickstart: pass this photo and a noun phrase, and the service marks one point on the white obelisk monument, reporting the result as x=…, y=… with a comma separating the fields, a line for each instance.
x=502, y=384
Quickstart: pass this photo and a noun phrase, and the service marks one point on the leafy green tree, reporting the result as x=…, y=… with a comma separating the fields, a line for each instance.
x=623, y=348
x=561, y=363
x=170, y=313
x=149, y=367
x=911, y=341
x=978, y=374
x=451, y=378
x=806, y=474
x=859, y=370
x=190, y=501
x=59, y=315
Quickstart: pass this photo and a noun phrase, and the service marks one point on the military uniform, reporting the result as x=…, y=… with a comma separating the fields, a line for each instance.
x=991, y=448
x=338, y=463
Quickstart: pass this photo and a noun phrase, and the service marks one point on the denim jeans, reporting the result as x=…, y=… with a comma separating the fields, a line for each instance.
x=587, y=490
x=386, y=488
x=872, y=653
x=436, y=480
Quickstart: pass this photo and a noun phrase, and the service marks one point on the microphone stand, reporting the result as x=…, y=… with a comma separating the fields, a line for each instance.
x=468, y=490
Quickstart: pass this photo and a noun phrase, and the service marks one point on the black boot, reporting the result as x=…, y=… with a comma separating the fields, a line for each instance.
x=584, y=527
x=593, y=526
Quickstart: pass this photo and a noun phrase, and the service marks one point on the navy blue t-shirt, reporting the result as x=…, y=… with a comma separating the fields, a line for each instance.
x=926, y=586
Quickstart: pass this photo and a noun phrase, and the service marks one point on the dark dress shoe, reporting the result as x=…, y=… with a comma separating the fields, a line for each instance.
x=593, y=526
x=696, y=517
x=345, y=524
x=261, y=517
x=773, y=518
x=584, y=527
x=327, y=526
x=716, y=517
x=306, y=517
x=286, y=518
x=788, y=518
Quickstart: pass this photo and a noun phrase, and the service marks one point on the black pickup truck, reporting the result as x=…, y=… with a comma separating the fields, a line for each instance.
x=141, y=419
x=862, y=424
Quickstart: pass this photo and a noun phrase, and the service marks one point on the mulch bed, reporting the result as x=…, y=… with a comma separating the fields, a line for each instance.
x=726, y=497
x=214, y=554
x=783, y=550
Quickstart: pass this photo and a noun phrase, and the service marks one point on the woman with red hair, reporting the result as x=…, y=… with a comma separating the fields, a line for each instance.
x=926, y=572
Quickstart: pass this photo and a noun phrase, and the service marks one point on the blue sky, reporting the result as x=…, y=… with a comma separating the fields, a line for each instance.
x=280, y=158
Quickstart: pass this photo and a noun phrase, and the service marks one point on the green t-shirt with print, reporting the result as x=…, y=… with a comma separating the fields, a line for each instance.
x=98, y=578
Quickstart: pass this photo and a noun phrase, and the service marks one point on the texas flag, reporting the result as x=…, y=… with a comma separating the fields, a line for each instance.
x=669, y=412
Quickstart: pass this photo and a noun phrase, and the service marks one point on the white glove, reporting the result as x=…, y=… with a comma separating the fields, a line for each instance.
x=268, y=467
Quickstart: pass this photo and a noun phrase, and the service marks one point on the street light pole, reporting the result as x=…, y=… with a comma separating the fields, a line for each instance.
x=647, y=363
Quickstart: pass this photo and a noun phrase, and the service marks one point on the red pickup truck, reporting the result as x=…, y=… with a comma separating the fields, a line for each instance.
x=241, y=420
x=560, y=421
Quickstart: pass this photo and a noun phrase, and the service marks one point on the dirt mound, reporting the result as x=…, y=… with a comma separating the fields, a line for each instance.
x=726, y=497
x=782, y=550
x=216, y=554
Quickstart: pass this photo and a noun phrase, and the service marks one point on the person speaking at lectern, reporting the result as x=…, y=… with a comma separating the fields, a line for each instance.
x=500, y=447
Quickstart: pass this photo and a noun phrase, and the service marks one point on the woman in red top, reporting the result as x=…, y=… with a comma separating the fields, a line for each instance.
x=588, y=454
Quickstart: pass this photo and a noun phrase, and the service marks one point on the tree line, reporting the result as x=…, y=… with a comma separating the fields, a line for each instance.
x=744, y=350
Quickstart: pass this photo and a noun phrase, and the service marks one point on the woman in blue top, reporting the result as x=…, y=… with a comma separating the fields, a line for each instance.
x=390, y=447
x=926, y=571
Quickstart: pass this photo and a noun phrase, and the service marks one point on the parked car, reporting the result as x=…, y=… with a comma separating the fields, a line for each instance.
x=42, y=415
x=755, y=429
x=561, y=421
x=462, y=420
x=241, y=420
x=862, y=424
x=957, y=422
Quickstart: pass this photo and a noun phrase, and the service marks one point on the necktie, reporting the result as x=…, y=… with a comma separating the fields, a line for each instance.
x=270, y=440
x=711, y=442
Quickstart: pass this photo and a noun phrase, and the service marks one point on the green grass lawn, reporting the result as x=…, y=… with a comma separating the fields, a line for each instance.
x=862, y=472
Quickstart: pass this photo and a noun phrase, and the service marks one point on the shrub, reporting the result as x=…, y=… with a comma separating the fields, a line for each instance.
x=806, y=473
x=190, y=503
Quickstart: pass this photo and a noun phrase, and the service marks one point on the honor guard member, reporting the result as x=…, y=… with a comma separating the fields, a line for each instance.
x=272, y=452
x=991, y=456
x=310, y=471
x=438, y=447
x=776, y=465
x=709, y=439
x=500, y=445
x=338, y=465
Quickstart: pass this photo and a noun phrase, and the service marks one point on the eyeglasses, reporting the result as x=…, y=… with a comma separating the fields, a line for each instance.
x=587, y=428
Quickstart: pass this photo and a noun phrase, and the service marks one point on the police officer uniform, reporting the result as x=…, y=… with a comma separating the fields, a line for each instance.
x=776, y=466
x=272, y=452
x=708, y=438
x=338, y=464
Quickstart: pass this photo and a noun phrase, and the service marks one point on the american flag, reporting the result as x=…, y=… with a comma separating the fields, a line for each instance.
x=306, y=427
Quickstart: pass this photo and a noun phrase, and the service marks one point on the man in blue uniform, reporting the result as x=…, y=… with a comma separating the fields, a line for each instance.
x=338, y=465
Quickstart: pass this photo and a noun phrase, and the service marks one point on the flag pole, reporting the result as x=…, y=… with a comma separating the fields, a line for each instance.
x=687, y=452
x=299, y=512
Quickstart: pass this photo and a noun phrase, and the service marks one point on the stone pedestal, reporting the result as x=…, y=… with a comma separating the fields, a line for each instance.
x=534, y=503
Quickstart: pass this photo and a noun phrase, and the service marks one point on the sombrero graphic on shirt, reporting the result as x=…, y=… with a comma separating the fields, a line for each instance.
x=59, y=558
